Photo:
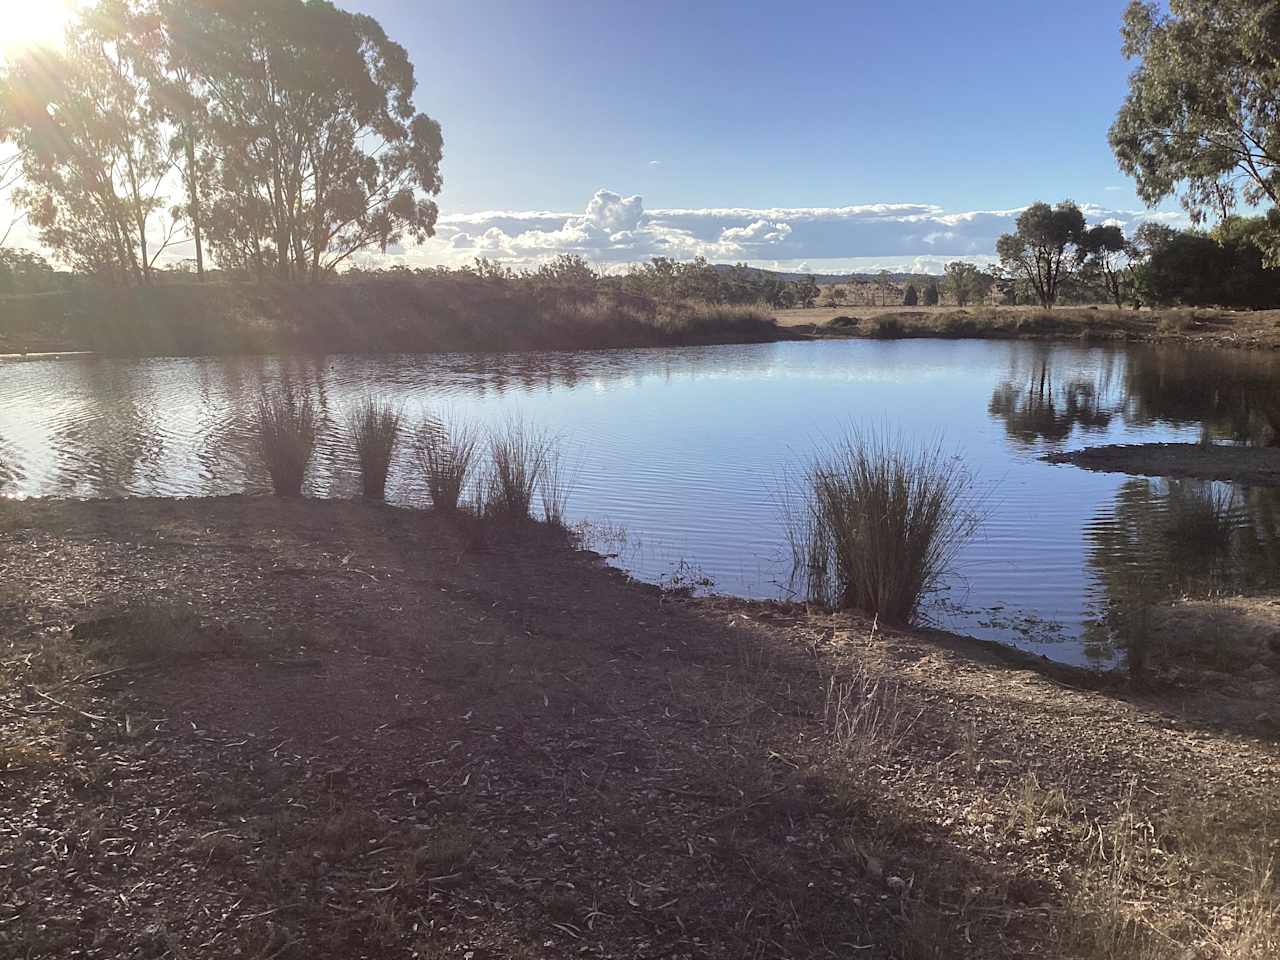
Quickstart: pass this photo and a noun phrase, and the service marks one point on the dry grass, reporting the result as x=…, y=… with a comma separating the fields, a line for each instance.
x=1198, y=881
x=865, y=717
x=285, y=421
x=375, y=429
x=879, y=524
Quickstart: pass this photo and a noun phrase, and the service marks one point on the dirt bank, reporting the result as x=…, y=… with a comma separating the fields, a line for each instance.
x=1256, y=466
x=1258, y=330
x=254, y=728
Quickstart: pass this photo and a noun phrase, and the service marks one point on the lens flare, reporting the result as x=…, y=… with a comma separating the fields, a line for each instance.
x=25, y=24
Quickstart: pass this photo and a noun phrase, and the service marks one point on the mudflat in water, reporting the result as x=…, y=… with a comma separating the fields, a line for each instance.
x=680, y=453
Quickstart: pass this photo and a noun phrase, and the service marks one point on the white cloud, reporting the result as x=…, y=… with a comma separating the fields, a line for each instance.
x=614, y=229
x=617, y=229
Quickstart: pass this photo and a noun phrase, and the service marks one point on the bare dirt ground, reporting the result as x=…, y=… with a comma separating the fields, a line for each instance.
x=1256, y=466
x=1258, y=329
x=253, y=728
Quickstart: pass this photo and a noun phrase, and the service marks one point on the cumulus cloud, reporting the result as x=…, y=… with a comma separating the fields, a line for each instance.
x=615, y=229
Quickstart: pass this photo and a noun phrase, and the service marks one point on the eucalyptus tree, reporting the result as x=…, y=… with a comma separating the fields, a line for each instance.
x=965, y=282
x=1046, y=249
x=1202, y=116
x=1110, y=256
x=320, y=152
x=94, y=163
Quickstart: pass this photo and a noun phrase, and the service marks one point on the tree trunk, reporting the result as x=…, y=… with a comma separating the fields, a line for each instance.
x=193, y=198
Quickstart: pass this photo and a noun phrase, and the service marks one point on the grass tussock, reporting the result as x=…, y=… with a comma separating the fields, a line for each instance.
x=880, y=523
x=375, y=430
x=518, y=455
x=447, y=453
x=285, y=423
x=556, y=484
x=865, y=717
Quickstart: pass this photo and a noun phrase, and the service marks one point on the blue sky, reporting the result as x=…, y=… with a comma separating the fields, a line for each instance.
x=968, y=105
x=827, y=136
x=732, y=116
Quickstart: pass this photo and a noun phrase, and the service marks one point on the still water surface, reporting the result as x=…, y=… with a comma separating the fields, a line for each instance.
x=684, y=450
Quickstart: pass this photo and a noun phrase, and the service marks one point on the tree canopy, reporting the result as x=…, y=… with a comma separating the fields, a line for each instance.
x=290, y=124
x=1202, y=117
x=1048, y=245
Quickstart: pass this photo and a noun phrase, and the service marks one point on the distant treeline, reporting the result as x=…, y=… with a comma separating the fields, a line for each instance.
x=482, y=309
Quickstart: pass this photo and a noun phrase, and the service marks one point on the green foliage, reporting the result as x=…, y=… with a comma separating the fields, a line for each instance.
x=931, y=294
x=292, y=125
x=911, y=297
x=1048, y=246
x=669, y=280
x=1226, y=268
x=966, y=283
x=807, y=291
x=22, y=271
x=1108, y=256
x=85, y=122
x=1201, y=115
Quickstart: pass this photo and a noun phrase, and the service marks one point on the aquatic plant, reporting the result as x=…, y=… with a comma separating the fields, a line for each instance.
x=375, y=429
x=880, y=522
x=446, y=456
x=285, y=423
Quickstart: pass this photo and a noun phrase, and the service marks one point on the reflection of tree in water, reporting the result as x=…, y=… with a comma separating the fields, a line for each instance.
x=1234, y=394
x=1169, y=539
x=1231, y=394
x=1044, y=406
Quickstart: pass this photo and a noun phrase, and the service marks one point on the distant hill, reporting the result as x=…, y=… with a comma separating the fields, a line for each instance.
x=829, y=278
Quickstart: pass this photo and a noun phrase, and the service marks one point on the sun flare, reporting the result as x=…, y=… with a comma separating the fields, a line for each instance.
x=25, y=24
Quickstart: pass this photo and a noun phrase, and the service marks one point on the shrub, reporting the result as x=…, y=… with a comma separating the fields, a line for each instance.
x=375, y=428
x=446, y=454
x=881, y=523
x=912, y=297
x=285, y=421
x=887, y=328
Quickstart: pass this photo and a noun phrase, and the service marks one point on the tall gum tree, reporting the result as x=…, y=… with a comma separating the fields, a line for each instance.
x=94, y=165
x=1048, y=246
x=321, y=154
x=1202, y=116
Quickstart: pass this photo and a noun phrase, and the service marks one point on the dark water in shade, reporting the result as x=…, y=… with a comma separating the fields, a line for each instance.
x=683, y=449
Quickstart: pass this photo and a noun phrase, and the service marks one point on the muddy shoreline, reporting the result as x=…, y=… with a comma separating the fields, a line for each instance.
x=1254, y=466
x=250, y=727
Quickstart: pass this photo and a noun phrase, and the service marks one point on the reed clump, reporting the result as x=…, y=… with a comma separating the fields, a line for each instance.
x=556, y=484
x=880, y=522
x=375, y=429
x=285, y=423
x=518, y=455
x=447, y=454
